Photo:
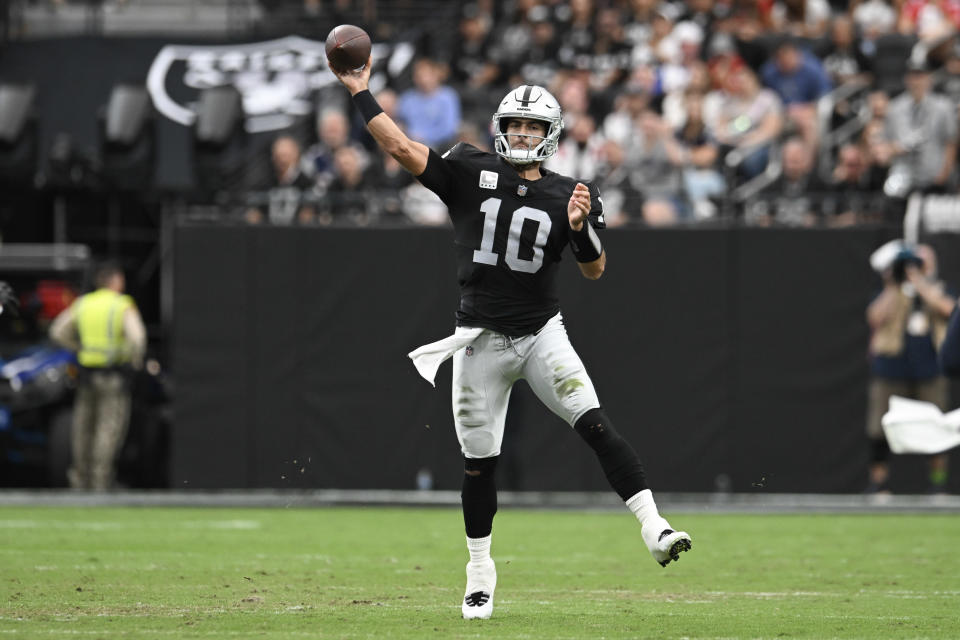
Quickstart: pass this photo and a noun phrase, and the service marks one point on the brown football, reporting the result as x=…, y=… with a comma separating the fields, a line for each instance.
x=348, y=47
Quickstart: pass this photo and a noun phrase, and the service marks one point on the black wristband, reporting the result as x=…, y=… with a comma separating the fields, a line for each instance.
x=586, y=245
x=367, y=105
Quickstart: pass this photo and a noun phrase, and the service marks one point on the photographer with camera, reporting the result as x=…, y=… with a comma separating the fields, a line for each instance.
x=908, y=323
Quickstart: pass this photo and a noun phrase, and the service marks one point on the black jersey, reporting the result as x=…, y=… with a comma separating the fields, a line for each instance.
x=509, y=235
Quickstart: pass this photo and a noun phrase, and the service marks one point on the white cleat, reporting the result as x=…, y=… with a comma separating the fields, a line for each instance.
x=481, y=582
x=665, y=544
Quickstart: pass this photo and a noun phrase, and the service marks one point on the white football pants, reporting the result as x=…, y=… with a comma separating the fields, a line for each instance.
x=485, y=370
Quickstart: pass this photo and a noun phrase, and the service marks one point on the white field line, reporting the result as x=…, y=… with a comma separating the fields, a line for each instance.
x=120, y=526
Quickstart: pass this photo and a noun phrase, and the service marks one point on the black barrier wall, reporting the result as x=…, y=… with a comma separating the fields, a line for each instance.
x=732, y=359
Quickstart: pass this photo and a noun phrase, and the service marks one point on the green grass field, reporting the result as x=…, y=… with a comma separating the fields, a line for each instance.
x=398, y=573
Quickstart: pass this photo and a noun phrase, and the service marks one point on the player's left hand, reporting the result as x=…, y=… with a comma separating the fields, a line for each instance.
x=578, y=208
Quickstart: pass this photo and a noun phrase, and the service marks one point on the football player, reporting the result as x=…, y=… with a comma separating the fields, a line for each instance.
x=512, y=220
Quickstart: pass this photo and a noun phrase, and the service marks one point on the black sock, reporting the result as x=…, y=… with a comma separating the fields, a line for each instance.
x=479, y=496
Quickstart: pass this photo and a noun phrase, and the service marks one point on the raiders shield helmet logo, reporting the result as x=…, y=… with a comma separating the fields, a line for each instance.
x=276, y=78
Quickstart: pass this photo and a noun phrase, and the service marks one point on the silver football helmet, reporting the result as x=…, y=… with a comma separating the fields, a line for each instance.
x=536, y=103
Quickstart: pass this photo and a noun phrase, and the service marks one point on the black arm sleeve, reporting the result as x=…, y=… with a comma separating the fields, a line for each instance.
x=438, y=177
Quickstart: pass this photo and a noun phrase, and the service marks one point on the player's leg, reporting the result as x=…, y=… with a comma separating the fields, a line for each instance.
x=480, y=396
x=556, y=374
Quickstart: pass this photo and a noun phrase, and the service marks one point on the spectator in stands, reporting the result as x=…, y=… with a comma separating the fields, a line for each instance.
x=610, y=55
x=577, y=38
x=638, y=29
x=393, y=179
x=745, y=117
x=929, y=19
x=286, y=195
x=353, y=193
x=619, y=123
x=798, y=77
x=472, y=67
x=948, y=82
x=430, y=110
x=749, y=35
x=908, y=323
x=794, y=199
x=512, y=37
x=333, y=130
x=856, y=194
x=622, y=199
x=845, y=61
x=801, y=18
x=655, y=172
x=722, y=59
x=874, y=136
x=674, y=106
x=922, y=127
x=574, y=98
x=540, y=61
x=580, y=153
x=703, y=13
x=681, y=51
x=660, y=44
x=874, y=18
x=695, y=152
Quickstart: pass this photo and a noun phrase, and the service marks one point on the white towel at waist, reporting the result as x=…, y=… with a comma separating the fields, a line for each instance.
x=428, y=358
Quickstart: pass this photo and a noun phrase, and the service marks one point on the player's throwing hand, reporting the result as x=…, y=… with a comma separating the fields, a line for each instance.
x=579, y=206
x=356, y=80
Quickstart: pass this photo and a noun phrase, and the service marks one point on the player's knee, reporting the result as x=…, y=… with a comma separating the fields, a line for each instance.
x=595, y=428
x=619, y=461
x=480, y=467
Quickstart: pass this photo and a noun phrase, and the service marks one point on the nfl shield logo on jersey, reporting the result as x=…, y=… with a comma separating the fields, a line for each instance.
x=469, y=350
x=522, y=190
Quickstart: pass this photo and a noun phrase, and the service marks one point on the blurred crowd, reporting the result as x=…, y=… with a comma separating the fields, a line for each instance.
x=773, y=112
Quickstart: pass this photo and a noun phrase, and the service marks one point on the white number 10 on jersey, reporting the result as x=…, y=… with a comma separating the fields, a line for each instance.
x=486, y=255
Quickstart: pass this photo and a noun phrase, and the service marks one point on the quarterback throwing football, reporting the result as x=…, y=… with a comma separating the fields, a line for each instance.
x=512, y=220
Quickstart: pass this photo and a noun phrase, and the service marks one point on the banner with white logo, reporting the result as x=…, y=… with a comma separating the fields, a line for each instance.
x=276, y=78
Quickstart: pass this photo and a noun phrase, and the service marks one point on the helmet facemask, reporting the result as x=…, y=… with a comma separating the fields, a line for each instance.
x=541, y=147
x=531, y=103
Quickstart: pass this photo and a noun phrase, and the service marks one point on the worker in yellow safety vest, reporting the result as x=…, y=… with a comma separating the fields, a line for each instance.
x=104, y=328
